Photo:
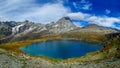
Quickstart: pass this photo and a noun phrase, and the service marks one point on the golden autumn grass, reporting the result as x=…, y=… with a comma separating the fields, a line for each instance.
x=14, y=46
x=89, y=36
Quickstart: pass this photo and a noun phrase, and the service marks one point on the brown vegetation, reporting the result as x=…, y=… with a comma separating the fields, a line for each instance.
x=14, y=46
x=89, y=36
x=111, y=44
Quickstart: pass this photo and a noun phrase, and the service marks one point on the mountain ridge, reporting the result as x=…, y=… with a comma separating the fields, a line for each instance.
x=24, y=30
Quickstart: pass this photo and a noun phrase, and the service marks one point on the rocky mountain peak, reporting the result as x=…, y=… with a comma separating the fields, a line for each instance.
x=63, y=25
x=92, y=26
x=65, y=20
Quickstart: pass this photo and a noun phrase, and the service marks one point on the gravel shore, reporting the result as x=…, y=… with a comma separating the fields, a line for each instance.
x=7, y=60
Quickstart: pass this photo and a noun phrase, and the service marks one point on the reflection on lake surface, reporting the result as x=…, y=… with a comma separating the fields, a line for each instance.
x=61, y=49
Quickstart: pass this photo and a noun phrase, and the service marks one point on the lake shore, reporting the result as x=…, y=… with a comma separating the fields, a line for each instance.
x=12, y=61
x=13, y=50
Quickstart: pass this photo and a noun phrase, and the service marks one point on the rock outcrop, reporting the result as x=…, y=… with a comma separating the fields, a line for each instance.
x=63, y=25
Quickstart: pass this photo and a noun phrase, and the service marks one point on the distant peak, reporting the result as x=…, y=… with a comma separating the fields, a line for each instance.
x=26, y=21
x=66, y=18
x=92, y=25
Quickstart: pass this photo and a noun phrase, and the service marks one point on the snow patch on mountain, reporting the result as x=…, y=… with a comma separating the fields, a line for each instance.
x=16, y=29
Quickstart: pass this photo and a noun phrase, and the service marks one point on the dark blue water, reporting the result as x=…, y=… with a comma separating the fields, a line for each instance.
x=61, y=49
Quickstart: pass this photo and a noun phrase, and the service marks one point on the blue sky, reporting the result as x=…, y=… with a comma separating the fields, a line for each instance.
x=82, y=12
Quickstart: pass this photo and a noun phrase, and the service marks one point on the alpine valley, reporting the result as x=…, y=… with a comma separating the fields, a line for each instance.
x=14, y=35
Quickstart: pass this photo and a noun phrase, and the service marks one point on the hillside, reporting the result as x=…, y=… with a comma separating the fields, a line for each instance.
x=18, y=31
x=14, y=35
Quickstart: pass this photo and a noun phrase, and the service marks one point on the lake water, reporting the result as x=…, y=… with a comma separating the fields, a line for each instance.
x=62, y=49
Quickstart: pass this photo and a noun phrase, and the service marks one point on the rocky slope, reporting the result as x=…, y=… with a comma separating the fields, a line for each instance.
x=97, y=29
x=16, y=31
x=14, y=28
x=63, y=25
x=11, y=61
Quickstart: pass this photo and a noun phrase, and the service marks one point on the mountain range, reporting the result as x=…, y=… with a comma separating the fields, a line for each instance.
x=18, y=34
x=14, y=31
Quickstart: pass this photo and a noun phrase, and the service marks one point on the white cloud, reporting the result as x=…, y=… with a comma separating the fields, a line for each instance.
x=20, y=10
x=107, y=11
x=83, y=4
x=75, y=4
x=100, y=20
x=46, y=13
x=78, y=24
x=87, y=6
x=103, y=21
x=12, y=8
x=9, y=5
x=78, y=16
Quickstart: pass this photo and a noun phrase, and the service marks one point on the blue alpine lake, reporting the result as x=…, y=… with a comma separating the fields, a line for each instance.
x=62, y=49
